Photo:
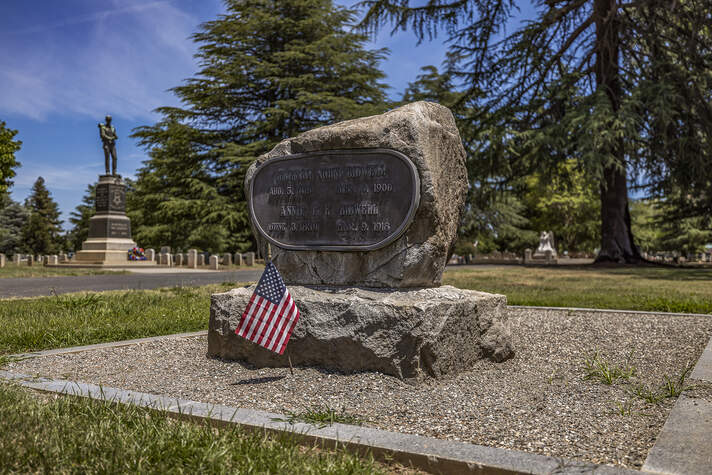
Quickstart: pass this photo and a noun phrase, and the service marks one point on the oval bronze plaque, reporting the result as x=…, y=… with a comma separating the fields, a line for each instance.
x=338, y=200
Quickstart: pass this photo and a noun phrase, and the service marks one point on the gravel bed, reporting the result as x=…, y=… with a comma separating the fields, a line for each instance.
x=537, y=401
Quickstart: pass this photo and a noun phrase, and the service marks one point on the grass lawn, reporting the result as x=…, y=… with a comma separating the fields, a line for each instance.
x=38, y=270
x=665, y=289
x=43, y=434
x=83, y=319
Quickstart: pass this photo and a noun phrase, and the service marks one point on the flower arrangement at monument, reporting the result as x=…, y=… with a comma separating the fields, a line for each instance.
x=137, y=254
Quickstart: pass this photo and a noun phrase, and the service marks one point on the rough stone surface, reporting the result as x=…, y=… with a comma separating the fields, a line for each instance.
x=404, y=333
x=426, y=133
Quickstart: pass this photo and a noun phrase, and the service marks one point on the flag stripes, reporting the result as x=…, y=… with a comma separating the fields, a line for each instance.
x=271, y=314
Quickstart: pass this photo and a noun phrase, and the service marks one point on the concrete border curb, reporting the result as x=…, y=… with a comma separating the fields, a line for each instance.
x=607, y=310
x=684, y=445
x=111, y=344
x=432, y=455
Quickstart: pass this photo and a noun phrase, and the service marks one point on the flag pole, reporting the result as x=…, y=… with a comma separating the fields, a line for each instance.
x=289, y=357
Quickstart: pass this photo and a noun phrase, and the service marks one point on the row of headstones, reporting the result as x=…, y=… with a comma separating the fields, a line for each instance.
x=193, y=259
x=29, y=259
x=668, y=257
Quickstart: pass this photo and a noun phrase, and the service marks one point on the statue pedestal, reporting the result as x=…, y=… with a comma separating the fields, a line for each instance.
x=109, y=229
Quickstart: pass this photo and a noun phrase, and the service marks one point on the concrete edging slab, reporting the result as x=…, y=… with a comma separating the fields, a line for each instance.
x=111, y=344
x=608, y=310
x=684, y=445
x=433, y=455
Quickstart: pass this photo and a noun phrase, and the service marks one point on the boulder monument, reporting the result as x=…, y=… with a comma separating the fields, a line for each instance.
x=361, y=217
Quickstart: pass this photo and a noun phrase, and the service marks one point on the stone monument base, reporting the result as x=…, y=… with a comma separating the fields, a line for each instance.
x=104, y=251
x=407, y=333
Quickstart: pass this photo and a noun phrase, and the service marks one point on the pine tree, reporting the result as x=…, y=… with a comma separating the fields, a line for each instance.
x=494, y=211
x=622, y=87
x=269, y=70
x=41, y=232
x=566, y=203
x=8, y=147
x=13, y=216
x=80, y=220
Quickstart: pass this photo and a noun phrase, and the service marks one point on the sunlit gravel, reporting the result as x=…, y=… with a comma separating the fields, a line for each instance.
x=536, y=402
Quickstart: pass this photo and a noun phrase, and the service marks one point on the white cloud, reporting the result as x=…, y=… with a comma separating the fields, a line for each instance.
x=57, y=178
x=126, y=58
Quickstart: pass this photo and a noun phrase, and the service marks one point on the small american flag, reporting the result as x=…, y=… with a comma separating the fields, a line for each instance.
x=271, y=314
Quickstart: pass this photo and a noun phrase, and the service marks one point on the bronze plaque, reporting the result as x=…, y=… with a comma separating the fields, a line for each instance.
x=341, y=200
x=110, y=198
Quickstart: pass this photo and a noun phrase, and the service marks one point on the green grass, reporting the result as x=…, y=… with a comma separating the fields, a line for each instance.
x=598, y=369
x=669, y=388
x=601, y=370
x=38, y=270
x=650, y=288
x=42, y=434
x=83, y=319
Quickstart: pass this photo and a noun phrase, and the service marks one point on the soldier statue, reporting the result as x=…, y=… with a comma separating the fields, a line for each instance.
x=107, y=132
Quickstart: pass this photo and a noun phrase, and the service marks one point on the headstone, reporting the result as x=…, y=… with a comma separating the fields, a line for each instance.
x=227, y=259
x=63, y=257
x=201, y=259
x=372, y=202
x=45, y=260
x=30, y=259
x=165, y=249
x=179, y=260
x=250, y=259
x=16, y=259
x=192, y=258
x=150, y=255
x=214, y=262
x=54, y=260
x=367, y=212
x=166, y=259
x=238, y=259
x=2, y=260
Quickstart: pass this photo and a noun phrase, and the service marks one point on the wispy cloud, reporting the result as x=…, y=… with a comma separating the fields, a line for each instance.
x=57, y=177
x=120, y=60
x=86, y=18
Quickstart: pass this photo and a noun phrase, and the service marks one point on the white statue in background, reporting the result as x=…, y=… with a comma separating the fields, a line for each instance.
x=546, y=243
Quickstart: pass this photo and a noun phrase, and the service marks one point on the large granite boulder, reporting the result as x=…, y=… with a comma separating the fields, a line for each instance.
x=426, y=133
x=405, y=333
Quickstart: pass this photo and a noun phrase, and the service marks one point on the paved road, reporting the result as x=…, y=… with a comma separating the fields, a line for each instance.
x=32, y=287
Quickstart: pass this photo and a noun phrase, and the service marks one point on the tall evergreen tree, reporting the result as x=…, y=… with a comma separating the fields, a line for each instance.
x=269, y=70
x=41, y=232
x=12, y=218
x=494, y=212
x=8, y=147
x=80, y=220
x=620, y=86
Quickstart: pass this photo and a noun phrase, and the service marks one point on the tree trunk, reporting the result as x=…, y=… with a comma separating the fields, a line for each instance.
x=616, y=236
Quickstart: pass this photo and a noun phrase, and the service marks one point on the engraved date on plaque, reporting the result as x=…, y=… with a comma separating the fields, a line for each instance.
x=351, y=200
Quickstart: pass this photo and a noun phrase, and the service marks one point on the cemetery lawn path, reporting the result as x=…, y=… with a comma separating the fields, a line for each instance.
x=41, y=434
x=649, y=288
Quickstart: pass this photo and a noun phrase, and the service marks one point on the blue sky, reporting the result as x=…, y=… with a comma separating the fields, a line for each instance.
x=66, y=64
